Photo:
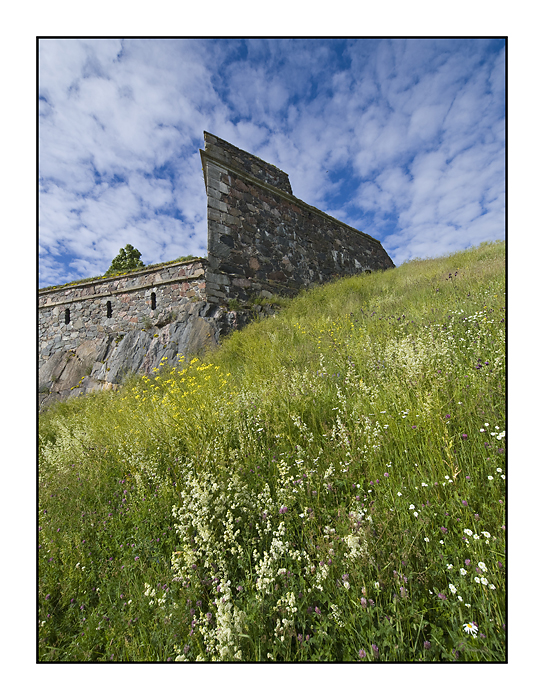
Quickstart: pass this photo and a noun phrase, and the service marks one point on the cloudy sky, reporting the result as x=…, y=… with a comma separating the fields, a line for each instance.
x=403, y=139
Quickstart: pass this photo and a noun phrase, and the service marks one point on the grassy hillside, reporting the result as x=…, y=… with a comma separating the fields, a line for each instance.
x=329, y=485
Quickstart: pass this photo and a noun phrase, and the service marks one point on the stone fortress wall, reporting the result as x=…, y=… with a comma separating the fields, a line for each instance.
x=262, y=241
x=93, y=310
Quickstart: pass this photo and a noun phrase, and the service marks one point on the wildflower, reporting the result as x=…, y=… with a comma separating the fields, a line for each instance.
x=463, y=572
x=375, y=650
x=426, y=539
x=452, y=588
x=482, y=566
x=399, y=493
x=412, y=506
x=442, y=596
x=450, y=566
x=426, y=645
x=477, y=579
x=484, y=581
x=464, y=436
x=464, y=503
x=416, y=514
x=363, y=602
x=490, y=478
x=362, y=653
x=459, y=598
x=443, y=530
x=468, y=532
x=471, y=628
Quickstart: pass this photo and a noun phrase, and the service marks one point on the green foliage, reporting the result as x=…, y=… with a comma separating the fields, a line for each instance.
x=128, y=259
x=112, y=272
x=327, y=486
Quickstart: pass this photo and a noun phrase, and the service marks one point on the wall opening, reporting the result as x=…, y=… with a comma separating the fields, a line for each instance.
x=108, y=309
x=153, y=300
x=67, y=316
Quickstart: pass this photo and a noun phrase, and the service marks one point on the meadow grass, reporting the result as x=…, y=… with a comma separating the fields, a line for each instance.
x=329, y=485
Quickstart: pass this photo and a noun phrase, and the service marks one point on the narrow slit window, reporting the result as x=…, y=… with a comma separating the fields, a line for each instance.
x=108, y=309
x=153, y=300
x=67, y=316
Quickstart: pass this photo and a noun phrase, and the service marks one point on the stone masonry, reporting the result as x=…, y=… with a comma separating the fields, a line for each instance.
x=262, y=242
x=93, y=310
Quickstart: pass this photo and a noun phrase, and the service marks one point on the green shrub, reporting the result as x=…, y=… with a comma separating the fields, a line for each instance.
x=128, y=259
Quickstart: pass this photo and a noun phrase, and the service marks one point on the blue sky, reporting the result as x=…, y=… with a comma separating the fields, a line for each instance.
x=402, y=138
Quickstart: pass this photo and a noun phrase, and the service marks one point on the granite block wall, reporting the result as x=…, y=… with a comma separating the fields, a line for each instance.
x=264, y=241
x=71, y=315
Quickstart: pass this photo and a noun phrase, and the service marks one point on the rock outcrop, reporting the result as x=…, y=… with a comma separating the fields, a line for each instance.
x=105, y=363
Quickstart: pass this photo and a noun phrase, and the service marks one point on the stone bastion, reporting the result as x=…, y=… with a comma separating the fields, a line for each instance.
x=262, y=242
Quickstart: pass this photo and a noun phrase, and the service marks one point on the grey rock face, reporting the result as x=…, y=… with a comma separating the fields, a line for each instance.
x=106, y=362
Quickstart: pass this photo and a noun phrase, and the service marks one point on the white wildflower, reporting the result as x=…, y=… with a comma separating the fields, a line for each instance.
x=471, y=628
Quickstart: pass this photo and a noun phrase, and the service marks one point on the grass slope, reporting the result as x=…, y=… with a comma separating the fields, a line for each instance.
x=327, y=486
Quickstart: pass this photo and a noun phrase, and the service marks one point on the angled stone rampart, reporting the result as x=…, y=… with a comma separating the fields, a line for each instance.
x=264, y=241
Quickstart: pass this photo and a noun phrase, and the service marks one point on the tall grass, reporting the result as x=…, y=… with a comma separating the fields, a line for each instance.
x=327, y=486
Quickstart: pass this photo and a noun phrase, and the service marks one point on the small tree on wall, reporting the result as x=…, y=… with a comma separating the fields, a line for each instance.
x=128, y=259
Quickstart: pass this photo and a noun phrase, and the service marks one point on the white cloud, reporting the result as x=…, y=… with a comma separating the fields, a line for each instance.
x=403, y=138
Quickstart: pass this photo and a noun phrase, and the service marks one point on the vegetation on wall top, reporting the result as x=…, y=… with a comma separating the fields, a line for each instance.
x=128, y=259
x=119, y=273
